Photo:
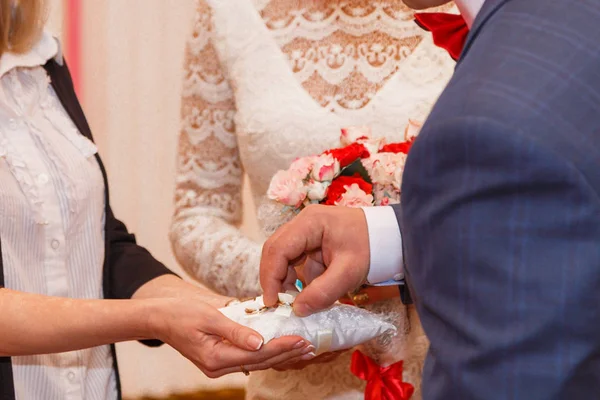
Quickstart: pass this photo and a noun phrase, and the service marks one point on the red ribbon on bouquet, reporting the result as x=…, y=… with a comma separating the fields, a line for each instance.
x=383, y=383
x=449, y=31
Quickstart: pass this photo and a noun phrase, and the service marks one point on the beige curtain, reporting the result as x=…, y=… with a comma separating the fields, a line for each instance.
x=132, y=60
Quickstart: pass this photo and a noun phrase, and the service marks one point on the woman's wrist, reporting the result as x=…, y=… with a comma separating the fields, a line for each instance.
x=171, y=286
x=162, y=286
x=216, y=300
x=159, y=312
x=162, y=312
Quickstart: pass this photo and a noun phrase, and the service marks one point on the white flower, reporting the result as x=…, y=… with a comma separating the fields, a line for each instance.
x=382, y=167
x=325, y=168
x=355, y=197
x=317, y=190
x=398, y=176
x=354, y=133
x=412, y=129
x=373, y=145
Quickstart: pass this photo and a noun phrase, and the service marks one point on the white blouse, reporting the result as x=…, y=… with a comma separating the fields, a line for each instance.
x=51, y=220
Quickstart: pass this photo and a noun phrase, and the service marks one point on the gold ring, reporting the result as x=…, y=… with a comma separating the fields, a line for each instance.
x=244, y=370
x=360, y=299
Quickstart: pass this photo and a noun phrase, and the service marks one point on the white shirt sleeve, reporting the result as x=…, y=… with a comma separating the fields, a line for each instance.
x=385, y=241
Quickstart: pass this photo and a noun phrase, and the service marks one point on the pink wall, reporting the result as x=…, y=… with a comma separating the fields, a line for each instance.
x=72, y=44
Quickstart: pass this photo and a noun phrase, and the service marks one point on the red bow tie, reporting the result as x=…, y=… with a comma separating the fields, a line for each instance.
x=383, y=383
x=449, y=30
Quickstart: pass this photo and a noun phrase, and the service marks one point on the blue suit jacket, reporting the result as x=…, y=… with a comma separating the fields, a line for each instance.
x=501, y=209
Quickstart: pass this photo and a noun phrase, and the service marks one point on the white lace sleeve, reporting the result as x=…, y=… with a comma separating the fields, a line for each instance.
x=204, y=233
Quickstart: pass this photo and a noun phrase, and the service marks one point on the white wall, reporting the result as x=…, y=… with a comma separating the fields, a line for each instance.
x=55, y=17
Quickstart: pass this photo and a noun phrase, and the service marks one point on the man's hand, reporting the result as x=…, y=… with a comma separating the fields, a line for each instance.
x=217, y=345
x=333, y=245
x=423, y=4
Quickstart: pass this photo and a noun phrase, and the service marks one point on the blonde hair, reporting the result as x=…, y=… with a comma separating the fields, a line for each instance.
x=21, y=24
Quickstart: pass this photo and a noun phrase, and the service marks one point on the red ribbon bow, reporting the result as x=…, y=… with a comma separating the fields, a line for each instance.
x=383, y=383
x=449, y=30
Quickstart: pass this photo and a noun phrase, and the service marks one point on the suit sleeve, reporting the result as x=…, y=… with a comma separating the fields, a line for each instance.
x=501, y=235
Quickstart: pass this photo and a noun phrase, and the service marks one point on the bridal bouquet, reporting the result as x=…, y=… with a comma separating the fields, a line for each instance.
x=364, y=171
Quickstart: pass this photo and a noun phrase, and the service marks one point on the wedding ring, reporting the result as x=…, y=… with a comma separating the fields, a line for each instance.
x=360, y=299
x=244, y=370
x=231, y=302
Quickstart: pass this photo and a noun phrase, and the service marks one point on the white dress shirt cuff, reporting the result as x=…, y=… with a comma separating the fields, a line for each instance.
x=385, y=241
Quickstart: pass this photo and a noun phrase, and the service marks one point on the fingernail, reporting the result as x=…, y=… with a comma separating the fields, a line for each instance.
x=302, y=310
x=299, y=344
x=310, y=348
x=308, y=356
x=255, y=342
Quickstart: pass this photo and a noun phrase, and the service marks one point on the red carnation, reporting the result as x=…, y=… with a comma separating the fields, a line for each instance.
x=347, y=155
x=338, y=187
x=403, y=147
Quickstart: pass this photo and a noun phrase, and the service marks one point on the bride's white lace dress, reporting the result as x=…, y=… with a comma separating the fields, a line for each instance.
x=270, y=80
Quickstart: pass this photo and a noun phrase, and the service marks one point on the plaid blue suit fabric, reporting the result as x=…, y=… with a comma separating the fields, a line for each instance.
x=501, y=209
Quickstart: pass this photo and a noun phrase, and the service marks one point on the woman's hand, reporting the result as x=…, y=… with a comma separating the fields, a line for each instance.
x=217, y=345
x=298, y=363
x=186, y=317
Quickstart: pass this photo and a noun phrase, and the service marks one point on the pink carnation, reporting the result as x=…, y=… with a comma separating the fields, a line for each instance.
x=325, y=168
x=287, y=188
x=383, y=168
x=385, y=195
x=398, y=173
x=355, y=133
x=301, y=167
x=412, y=129
x=355, y=197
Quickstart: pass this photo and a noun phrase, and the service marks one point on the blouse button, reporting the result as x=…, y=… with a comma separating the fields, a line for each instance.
x=55, y=244
x=42, y=179
x=12, y=123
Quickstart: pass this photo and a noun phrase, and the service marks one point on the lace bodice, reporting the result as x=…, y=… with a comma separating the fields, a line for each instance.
x=267, y=81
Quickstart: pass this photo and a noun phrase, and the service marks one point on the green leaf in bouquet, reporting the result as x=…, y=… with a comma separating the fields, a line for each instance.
x=356, y=167
x=294, y=210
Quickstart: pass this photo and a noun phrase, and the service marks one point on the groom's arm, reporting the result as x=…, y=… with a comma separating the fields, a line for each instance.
x=502, y=233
